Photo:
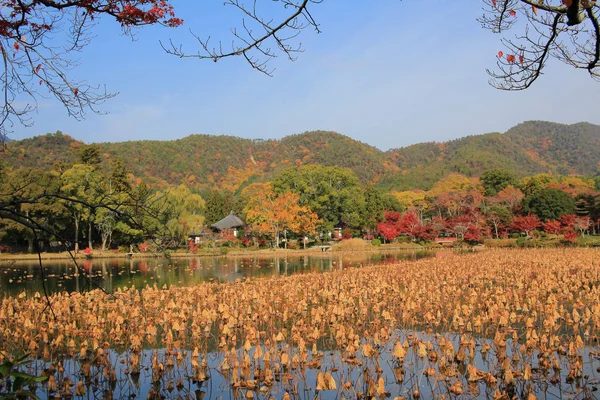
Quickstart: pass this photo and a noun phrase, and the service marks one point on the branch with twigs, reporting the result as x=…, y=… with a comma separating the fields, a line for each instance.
x=257, y=34
x=566, y=30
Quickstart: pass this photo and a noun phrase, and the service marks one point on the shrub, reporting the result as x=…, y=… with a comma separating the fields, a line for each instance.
x=376, y=242
x=223, y=250
x=293, y=245
x=497, y=243
x=351, y=245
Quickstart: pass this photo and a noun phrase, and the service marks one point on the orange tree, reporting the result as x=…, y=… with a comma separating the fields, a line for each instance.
x=271, y=213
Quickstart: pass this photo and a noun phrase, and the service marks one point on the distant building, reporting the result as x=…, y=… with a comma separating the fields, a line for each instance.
x=228, y=226
x=200, y=235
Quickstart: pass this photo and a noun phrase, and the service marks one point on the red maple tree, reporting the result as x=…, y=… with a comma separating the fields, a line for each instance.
x=525, y=223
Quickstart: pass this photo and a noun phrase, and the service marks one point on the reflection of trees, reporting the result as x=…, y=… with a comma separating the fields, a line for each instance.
x=114, y=273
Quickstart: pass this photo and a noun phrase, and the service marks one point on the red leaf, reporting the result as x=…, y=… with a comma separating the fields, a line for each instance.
x=521, y=59
x=510, y=58
x=16, y=46
x=41, y=81
x=75, y=91
x=494, y=3
x=37, y=69
x=500, y=54
x=567, y=3
x=534, y=8
x=513, y=13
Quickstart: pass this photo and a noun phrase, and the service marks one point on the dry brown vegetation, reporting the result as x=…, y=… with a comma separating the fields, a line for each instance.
x=494, y=324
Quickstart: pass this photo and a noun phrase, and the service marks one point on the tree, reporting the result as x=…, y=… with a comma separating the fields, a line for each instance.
x=549, y=203
x=388, y=228
x=525, y=223
x=24, y=208
x=376, y=204
x=453, y=183
x=219, y=204
x=510, y=197
x=552, y=227
x=582, y=224
x=495, y=180
x=270, y=213
x=90, y=154
x=532, y=184
x=459, y=225
x=497, y=216
x=567, y=30
x=333, y=193
x=306, y=224
x=35, y=63
x=80, y=182
x=191, y=208
x=409, y=198
x=409, y=224
x=106, y=225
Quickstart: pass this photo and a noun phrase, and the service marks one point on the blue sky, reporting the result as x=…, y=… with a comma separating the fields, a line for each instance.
x=388, y=73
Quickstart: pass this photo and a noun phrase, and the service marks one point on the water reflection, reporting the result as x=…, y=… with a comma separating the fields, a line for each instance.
x=176, y=373
x=110, y=274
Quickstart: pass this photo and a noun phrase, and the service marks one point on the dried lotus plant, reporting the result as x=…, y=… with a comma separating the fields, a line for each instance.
x=499, y=324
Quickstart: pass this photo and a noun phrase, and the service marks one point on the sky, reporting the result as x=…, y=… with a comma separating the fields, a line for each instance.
x=387, y=73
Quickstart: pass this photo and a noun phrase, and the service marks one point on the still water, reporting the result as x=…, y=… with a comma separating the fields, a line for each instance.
x=110, y=274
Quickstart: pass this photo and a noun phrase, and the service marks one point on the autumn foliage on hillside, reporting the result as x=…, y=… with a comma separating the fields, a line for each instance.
x=216, y=162
x=280, y=199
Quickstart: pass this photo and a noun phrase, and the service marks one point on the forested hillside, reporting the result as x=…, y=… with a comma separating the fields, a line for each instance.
x=226, y=162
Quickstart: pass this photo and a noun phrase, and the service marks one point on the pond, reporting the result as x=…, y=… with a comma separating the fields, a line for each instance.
x=452, y=327
x=112, y=273
x=244, y=374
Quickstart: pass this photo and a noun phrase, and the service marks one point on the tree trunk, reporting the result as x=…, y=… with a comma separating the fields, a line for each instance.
x=90, y=229
x=29, y=245
x=76, y=248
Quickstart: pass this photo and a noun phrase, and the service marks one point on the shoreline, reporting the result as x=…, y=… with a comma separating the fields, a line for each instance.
x=231, y=253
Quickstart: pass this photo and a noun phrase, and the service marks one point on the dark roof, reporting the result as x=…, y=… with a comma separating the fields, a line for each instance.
x=230, y=221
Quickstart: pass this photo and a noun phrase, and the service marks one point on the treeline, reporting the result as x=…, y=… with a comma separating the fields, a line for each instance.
x=94, y=204
x=90, y=205
x=497, y=205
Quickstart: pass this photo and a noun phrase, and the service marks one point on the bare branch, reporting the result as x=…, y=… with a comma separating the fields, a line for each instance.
x=249, y=42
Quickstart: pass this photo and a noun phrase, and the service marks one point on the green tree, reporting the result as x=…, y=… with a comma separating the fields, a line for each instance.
x=219, y=204
x=532, y=184
x=376, y=204
x=495, y=180
x=175, y=214
x=81, y=183
x=26, y=212
x=333, y=193
x=89, y=154
x=549, y=204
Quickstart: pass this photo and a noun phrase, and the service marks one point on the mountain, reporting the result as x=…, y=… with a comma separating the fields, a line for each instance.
x=529, y=148
x=227, y=162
